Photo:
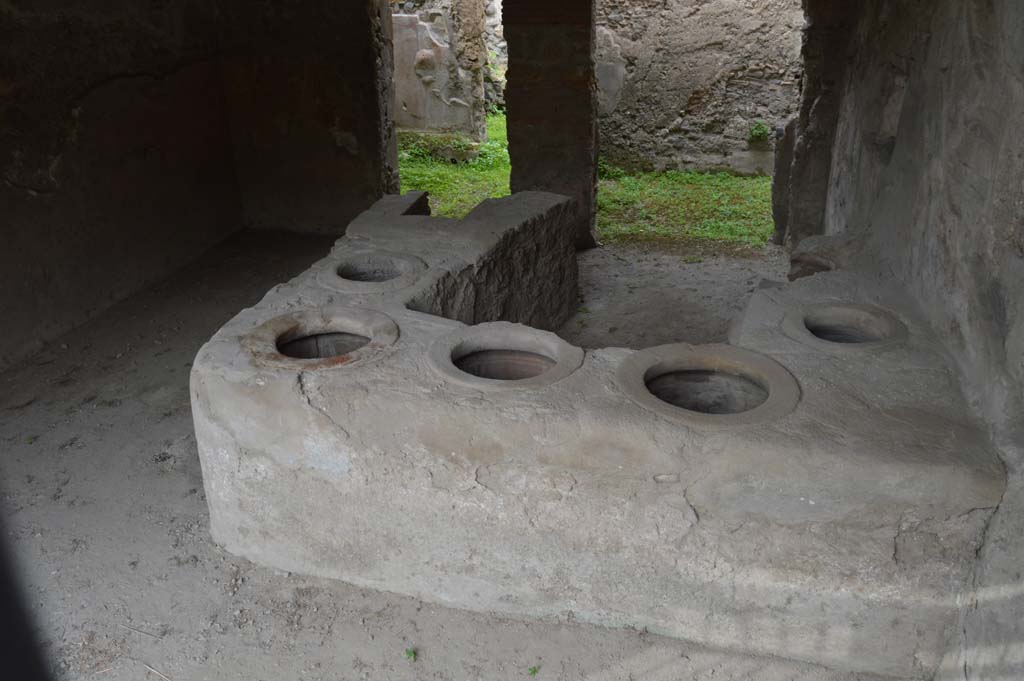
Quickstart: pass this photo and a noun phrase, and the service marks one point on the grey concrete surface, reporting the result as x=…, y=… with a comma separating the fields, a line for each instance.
x=838, y=533
x=103, y=503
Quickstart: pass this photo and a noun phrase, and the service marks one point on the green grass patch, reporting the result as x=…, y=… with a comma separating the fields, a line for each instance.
x=456, y=188
x=666, y=208
x=681, y=206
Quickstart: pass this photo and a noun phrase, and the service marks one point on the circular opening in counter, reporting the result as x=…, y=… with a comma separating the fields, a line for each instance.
x=709, y=386
x=321, y=345
x=373, y=272
x=503, y=365
x=707, y=391
x=503, y=356
x=374, y=269
x=321, y=338
x=844, y=327
x=841, y=324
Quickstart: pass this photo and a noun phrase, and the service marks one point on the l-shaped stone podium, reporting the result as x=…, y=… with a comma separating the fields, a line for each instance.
x=397, y=417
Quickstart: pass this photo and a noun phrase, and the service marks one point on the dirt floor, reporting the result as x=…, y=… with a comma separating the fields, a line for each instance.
x=104, y=507
x=636, y=297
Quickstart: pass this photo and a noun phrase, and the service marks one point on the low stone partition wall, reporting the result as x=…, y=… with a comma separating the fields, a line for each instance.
x=397, y=418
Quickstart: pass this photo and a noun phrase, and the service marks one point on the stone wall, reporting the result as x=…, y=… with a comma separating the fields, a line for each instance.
x=497, y=55
x=472, y=31
x=682, y=82
x=551, y=96
x=799, y=191
x=434, y=93
x=133, y=136
x=923, y=189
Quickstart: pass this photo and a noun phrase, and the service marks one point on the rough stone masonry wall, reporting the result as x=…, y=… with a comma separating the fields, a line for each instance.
x=135, y=135
x=681, y=82
x=924, y=189
x=440, y=64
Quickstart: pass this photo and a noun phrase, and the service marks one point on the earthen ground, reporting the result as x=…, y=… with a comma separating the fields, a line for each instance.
x=103, y=500
x=638, y=296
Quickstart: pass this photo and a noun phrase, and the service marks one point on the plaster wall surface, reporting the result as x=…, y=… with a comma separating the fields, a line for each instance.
x=134, y=136
x=115, y=161
x=681, y=82
x=308, y=91
x=833, y=524
x=924, y=190
x=804, y=154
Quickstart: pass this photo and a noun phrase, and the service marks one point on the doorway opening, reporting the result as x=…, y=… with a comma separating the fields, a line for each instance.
x=450, y=63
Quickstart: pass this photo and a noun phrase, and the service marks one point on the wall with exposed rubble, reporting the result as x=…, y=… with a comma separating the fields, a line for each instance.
x=682, y=83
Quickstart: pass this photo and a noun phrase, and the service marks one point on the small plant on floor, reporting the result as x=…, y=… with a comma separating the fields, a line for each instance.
x=534, y=670
x=760, y=132
x=411, y=654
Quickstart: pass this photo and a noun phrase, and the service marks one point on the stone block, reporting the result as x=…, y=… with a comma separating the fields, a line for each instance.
x=815, y=490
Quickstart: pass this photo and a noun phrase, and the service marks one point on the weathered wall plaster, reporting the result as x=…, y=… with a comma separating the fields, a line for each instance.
x=467, y=23
x=679, y=83
x=432, y=92
x=799, y=192
x=440, y=64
